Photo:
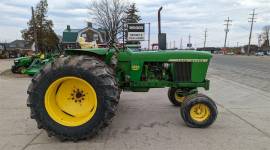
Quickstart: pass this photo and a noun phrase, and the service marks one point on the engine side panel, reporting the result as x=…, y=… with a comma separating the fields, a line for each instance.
x=191, y=62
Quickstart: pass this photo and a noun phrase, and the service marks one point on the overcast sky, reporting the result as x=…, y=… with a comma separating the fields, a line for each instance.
x=179, y=18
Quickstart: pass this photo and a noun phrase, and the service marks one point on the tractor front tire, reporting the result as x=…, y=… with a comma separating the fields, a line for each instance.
x=176, y=96
x=74, y=97
x=198, y=111
x=17, y=70
x=13, y=69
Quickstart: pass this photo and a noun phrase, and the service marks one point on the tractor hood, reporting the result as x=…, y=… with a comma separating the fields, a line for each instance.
x=21, y=59
x=153, y=56
x=167, y=56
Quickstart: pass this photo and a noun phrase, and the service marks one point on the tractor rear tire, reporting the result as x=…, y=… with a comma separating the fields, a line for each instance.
x=176, y=96
x=198, y=111
x=65, y=112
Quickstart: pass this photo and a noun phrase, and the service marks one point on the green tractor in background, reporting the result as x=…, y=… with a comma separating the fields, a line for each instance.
x=36, y=66
x=21, y=64
x=31, y=65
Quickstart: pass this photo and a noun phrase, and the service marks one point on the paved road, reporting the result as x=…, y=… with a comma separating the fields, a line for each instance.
x=147, y=121
x=252, y=71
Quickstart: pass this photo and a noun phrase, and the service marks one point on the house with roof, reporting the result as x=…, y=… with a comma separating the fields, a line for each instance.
x=15, y=48
x=3, y=52
x=3, y=46
x=18, y=45
x=72, y=36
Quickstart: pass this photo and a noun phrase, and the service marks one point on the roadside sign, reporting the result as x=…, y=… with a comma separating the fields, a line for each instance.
x=189, y=45
x=136, y=32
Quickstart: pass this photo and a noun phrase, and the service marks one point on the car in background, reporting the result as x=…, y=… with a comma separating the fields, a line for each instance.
x=259, y=54
x=230, y=53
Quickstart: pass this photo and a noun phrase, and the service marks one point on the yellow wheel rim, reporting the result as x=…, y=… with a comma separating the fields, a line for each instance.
x=71, y=101
x=199, y=112
x=178, y=97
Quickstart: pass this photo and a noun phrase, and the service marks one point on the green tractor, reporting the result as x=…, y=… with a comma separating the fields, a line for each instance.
x=36, y=65
x=76, y=96
x=21, y=63
x=31, y=65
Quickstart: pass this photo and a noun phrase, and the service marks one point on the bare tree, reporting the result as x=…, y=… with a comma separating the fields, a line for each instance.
x=108, y=15
x=266, y=32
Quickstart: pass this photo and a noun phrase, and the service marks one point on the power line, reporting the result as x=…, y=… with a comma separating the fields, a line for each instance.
x=227, y=24
x=205, y=36
x=252, y=20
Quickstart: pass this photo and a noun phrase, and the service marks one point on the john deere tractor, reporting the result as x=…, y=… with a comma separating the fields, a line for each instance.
x=21, y=63
x=30, y=65
x=76, y=96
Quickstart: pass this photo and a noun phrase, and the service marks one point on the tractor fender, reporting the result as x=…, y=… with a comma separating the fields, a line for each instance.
x=97, y=51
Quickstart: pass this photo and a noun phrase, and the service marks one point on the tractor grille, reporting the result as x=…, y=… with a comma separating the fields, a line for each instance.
x=182, y=71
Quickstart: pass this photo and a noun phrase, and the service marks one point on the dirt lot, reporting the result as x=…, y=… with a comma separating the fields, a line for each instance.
x=147, y=120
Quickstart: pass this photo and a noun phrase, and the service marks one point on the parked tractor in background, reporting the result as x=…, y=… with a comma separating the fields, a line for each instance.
x=30, y=65
x=36, y=65
x=21, y=63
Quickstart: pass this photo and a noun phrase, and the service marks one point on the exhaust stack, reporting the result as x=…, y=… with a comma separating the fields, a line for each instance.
x=159, y=26
x=162, y=42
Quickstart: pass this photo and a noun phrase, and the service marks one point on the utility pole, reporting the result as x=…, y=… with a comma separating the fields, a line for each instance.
x=259, y=40
x=227, y=24
x=35, y=28
x=205, y=36
x=252, y=20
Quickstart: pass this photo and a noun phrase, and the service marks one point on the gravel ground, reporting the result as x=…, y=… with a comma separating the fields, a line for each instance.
x=5, y=64
x=5, y=72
